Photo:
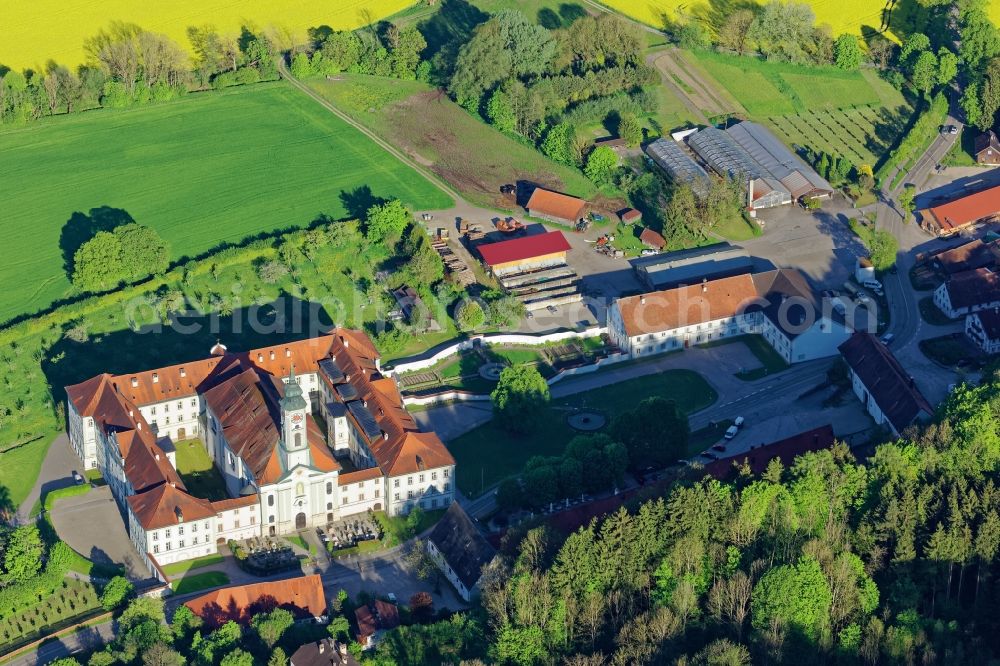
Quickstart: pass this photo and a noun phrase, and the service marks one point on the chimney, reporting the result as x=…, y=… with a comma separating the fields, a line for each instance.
x=385, y=435
x=179, y=514
x=704, y=285
x=156, y=456
x=642, y=299
x=322, y=647
x=347, y=343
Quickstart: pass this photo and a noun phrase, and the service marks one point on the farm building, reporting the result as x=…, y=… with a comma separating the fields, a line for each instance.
x=302, y=596
x=726, y=157
x=672, y=269
x=882, y=385
x=679, y=166
x=988, y=148
x=460, y=550
x=616, y=144
x=630, y=216
x=967, y=256
x=554, y=206
x=779, y=162
x=652, y=239
x=528, y=253
x=953, y=216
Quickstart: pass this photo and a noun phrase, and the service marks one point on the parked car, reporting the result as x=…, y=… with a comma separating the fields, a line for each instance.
x=872, y=284
x=77, y=479
x=648, y=252
x=720, y=447
x=551, y=309
x=738, y=422
x=710, y=455
x=887, y=339
x=731, y=432
x=321, y=533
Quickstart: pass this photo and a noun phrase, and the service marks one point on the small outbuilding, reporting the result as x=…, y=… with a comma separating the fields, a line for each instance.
x=555, y=206
x=652, y=239
x=864, y=270
x=988, y=149
x=527, y=253
x=630, y=216
x=460, y=551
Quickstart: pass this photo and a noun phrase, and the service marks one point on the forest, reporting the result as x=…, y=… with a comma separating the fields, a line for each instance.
x=884, y=559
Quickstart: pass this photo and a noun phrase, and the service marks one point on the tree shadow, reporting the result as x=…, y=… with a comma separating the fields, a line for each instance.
x=359, y=200
x=81, y=227
x=319, y=34
x=716, y=12
x=446, y=32
x=186, y=337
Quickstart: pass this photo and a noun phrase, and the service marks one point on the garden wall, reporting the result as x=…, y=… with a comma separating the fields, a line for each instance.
x=465, y=396
x=492, y=339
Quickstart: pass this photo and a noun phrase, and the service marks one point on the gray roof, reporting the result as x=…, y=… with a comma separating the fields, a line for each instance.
x=721, y=152
x=678, y=164
x=777, y=160
x=462, y=545
x=689, y=266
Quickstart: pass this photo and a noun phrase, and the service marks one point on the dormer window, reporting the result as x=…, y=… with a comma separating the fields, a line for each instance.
x=288, y=352
x=135, y=382
x=156, y=378
x=183, y=373
x=260, y=358
x=272, y=354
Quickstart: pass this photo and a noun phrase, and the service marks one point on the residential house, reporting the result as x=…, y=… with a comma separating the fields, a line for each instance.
x=374, y=618
x=966, y=257
x=324, y=652
x=987, y=148
x=983, y=328
x=968, y=291
x=883, y=386
x=460, y=551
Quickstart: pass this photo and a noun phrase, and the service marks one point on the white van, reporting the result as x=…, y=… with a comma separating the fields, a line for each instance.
x=874, y=285
x=731, y=432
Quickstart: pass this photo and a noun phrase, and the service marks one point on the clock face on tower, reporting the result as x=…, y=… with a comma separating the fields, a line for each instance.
x=296, y=418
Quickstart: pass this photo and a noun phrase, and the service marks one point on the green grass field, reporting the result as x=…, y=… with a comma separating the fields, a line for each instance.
x=207, y=168
x=488, y=454
x=196, y=582
x=21, y=466
x=855, y=115
x=197, y=471
x=470, y=155
x=178, y=568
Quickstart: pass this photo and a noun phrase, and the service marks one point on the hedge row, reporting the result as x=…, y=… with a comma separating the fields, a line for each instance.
x=922, y=132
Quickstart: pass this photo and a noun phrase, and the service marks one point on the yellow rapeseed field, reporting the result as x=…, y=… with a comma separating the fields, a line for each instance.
x=841, y=15
x=34, y=31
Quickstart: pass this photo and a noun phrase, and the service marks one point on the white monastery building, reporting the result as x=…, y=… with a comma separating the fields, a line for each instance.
x=777, y=304
x=302, y=433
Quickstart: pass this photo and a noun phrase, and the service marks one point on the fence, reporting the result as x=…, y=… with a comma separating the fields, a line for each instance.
x=496, y=339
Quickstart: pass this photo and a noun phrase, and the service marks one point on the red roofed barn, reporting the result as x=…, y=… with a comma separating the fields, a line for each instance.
x=554, y=206
x=527, y=253
x=302, y=596
x=950, y=217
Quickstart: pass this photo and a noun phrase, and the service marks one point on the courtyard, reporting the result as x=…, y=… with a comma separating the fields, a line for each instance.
x=198, y=472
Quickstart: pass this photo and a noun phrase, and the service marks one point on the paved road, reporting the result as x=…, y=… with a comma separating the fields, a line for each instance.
x=57, y=469
x=86, y=639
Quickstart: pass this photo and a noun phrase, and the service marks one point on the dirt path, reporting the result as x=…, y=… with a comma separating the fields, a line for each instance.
x=693, y=89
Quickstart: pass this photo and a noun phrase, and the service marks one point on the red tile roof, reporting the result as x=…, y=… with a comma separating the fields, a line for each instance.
x=303, y=596
x=652, y=239
x=990, y=320
x=630, y=215
x=375, y=616
x=890, y=386
x=522, y=249
x=786, y=450
x=555, y=204
x=166, y=505
x=968, y=209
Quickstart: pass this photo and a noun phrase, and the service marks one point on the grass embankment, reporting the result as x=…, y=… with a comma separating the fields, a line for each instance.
x=488, y=454
x=20, y=465
x=196, y=582
x=79, y=563
x=470, y=155
x=215, y=167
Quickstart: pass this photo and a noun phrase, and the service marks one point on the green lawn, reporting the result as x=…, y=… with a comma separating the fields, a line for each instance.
x=201, y=581
x=178, y=568
x=396, y=530
x=771, y=361
x=207, y=168
x=197, y=471
x=488, y=454
x=21, y=466
x=738, y=229
x=470, y=155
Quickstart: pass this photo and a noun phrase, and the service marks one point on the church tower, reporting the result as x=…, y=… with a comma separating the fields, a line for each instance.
x=294, y=442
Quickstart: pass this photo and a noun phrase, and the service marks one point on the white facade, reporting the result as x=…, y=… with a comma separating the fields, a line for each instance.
x=442, y=564
x=865, y=396
x=942, y=299
x=977, y=333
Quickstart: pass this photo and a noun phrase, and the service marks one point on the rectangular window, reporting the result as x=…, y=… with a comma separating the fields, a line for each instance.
x=166, y=407
x=409, y=480
x=434, y=476
x=167, y=546
x=236, y=523
x=194, y=527
x=166, y=533
x=395, y=483
x=361, y=497
x=377, y=493
x=253, y=520
x=421, y=479
x=206, y=525
x=180, y=544
x=194, y=402
x=194, y=541
x=344, y=500
x=396, y=497
x=156, y=536
x=180, y=530
x=156, y=548
x=220, y=527
x=446, y=472
x=447, y=486
x=409, y=494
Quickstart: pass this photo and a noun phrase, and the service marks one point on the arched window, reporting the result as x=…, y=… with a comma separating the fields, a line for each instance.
x=329, y=487
x=270, y=500
x=298, y=439
x=300, y=489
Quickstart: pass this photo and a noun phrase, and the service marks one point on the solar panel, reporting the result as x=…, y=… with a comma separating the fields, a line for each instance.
x=331, y=370
x=346, y=392
x=365, y=419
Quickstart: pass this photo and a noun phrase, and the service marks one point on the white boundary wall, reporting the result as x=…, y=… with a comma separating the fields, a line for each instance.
x=494, y=339
x=465, y=396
